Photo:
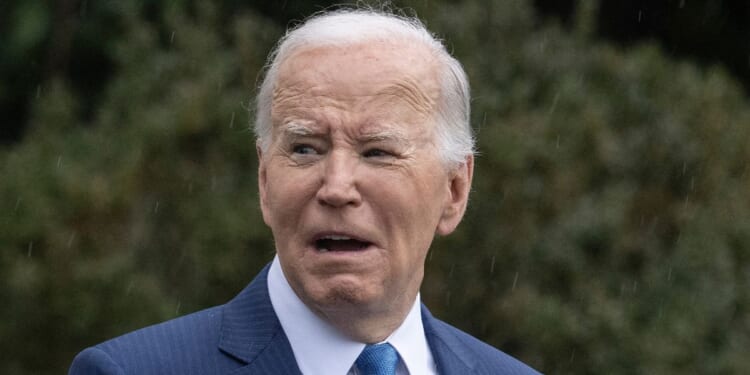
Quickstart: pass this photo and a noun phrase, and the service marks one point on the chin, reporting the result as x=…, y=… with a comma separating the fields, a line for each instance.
x=345, y=295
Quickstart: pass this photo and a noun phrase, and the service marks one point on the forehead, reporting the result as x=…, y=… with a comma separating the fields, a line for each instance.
x=358, y=72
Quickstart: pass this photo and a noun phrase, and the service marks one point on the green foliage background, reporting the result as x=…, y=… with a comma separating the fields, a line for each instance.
x=608, y=230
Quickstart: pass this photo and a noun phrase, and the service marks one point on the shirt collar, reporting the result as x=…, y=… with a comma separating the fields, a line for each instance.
x=321, y=349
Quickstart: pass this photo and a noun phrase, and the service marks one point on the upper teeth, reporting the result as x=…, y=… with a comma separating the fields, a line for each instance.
x=337, y=238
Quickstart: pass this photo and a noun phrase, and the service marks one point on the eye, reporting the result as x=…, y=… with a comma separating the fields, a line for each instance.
x=303, y=149
x=376, y=153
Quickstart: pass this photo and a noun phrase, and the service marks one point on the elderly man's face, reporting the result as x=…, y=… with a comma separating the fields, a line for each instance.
x=352, y=185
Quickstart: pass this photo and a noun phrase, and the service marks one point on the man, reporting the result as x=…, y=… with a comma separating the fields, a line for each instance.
x=365, y=154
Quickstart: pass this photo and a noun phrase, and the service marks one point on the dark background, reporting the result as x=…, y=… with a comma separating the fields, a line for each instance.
x=609, y=224
x=75, y=36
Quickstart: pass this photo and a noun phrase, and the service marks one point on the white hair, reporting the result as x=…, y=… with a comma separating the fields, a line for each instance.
x=454, y=138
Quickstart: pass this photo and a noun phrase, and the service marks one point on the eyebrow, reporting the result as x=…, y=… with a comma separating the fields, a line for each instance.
x=385, y=135
x=301, y=129
x=296, y=129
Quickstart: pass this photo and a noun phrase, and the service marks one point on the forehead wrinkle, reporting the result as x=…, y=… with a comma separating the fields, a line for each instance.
x=284, y=94
x=409, y=91
x=302, y=101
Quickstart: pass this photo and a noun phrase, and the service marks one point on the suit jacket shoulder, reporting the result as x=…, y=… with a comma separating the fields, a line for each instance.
x=166, y=348
x=243, y=336
x=457, y=352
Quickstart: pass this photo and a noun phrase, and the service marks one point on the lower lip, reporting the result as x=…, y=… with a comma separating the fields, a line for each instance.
x=357, y=252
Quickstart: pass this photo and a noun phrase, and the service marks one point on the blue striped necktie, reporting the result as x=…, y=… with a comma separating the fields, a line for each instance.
x=378, y=359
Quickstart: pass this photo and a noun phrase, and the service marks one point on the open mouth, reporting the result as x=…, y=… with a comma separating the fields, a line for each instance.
x=340, y=243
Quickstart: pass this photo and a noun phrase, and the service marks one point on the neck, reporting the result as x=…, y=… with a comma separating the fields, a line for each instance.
x=365, y=326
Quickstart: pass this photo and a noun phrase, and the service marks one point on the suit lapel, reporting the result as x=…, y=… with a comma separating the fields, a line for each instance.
x=277, y=358
x=251, y=332
x=450, y=356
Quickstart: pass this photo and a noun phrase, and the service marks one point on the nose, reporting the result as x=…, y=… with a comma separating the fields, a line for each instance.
x=338, y=187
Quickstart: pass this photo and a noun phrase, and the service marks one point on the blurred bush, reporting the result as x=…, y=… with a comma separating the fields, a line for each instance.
x=144, y=213
x=608, y=230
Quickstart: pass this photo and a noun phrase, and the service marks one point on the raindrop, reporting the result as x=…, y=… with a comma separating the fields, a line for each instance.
x=18, y=203
x=669, y=274
x=572, y=355
x=542, y=45
x=213, y=183
x=38, y=91
x=171, y=38
x=31, y=247
x=156, y=207
x=492, y=265
x=231, y=122
x=59, y=160
x=448, y=298
x=682, y=4
x=177, y=310
x=515, y=282
x=554, y=103
x=640, y=14
x=70, y=240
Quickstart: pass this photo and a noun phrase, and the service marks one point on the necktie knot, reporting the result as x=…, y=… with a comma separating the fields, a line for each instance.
x=378, y=359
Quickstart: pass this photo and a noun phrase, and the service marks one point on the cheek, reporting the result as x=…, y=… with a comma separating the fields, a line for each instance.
x=285, y=193
x=411, y=210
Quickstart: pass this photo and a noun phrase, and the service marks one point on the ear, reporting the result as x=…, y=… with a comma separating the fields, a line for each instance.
x=262, y=182
x=458, y=197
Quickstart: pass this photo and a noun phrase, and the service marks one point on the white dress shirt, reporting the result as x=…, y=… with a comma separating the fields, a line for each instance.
x=321, y=349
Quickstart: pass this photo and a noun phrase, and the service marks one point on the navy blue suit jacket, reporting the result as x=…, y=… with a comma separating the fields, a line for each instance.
x=244, y=336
